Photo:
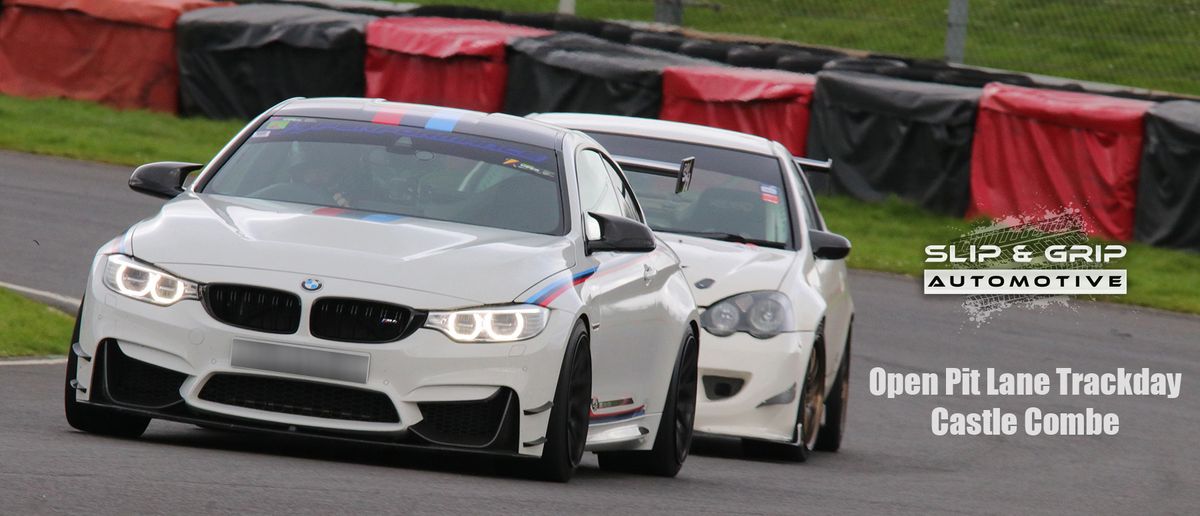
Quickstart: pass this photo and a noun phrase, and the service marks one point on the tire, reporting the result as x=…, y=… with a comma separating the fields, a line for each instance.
x=830, y=438
x=567, y=432
x=673, y=442
x=808, y=416
x=96, y=420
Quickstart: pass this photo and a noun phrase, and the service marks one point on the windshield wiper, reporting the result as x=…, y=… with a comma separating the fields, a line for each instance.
x=726, y=237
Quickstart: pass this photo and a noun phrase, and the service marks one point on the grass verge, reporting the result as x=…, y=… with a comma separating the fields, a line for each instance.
x=29, y=328
x=89, y=131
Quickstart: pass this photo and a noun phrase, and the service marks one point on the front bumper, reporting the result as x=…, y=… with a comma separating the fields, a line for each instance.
x=751, y=387
x=418, y=375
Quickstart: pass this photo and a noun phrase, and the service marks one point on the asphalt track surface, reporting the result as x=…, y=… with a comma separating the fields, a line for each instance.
x=54, y=213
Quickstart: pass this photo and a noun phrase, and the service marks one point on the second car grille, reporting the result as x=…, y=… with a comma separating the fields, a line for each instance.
x=253, y=308
x=300, y=397
x=357, y=320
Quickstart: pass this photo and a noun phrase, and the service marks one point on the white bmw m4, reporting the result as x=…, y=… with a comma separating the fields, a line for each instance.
x=399, y=274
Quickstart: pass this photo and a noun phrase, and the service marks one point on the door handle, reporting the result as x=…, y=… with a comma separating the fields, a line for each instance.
x=647, y=273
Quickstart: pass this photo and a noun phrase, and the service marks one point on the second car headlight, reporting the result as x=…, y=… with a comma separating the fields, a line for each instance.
x=144, y=282
x=498, y=324
x=762, y=314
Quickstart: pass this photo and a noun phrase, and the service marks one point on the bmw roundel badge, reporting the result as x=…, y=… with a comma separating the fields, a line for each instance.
x=311, y=285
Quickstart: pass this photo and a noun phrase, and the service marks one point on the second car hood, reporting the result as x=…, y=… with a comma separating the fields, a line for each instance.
x=472, y=263
x=733, y=268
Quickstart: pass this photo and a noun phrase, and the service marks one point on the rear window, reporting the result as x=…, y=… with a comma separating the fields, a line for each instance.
x=732, y=192
x=399, y=170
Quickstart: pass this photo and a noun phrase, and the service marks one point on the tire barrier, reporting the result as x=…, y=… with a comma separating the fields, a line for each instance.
x=892, y=136
x=1043, y=149
x=1168, y=196
x=119, y=52
x=769, y=103
x=235, y=62
x=443, y=61
x=576, y=72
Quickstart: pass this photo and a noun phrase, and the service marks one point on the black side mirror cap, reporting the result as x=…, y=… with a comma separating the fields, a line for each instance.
x=828, y=246
x=621, y=235
x=162, y=179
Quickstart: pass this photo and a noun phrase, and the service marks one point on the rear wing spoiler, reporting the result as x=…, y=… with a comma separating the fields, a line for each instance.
x=682, y=171
x=814, y=165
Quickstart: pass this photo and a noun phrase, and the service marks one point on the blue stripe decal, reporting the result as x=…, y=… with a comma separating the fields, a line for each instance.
x=382, y=217
x=557, y=284
x=443, y=121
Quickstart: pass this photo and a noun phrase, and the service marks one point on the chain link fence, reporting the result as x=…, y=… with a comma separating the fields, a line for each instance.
x=1151, y=44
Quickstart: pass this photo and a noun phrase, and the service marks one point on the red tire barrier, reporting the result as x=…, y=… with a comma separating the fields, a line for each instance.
x=768, y=103
x=1038, y=150
x=449, y=62
x=119, y=52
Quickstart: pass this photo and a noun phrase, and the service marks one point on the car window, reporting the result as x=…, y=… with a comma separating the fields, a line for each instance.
x=628, y=204
x=399, y=170
x=732, y=192
x=813, y=218
x=597, y=193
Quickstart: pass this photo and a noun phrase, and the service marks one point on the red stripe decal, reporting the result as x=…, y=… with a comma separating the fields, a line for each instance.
x=387, y=117
x=619, y=413
x=329, y=211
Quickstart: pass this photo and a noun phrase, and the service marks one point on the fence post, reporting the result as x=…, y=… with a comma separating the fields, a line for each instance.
x=956, y=31
x=566, y=6
x=668, y=11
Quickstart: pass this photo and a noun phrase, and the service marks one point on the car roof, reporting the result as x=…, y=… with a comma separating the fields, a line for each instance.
x=659, y=129
x=476, y=123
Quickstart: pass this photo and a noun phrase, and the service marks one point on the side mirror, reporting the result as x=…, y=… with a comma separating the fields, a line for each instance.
x=621, y=235
x=684, y=179
x=162, y=179
x=828, y=246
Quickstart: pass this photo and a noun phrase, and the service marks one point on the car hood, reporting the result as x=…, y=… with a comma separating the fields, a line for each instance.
x=472, y=263
x=732, y=268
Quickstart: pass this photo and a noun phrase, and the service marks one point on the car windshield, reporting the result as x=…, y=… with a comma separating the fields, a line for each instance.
x=399, y=170
x=735, y=196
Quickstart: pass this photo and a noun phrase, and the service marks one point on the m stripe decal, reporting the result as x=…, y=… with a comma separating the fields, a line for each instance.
x=443, y=121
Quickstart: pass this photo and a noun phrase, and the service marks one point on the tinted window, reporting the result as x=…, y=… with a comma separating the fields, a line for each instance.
x=732, y=192
x=397, y=169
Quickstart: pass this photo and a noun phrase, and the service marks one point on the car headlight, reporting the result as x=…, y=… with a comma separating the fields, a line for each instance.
x=144, y=282
x=499, y=324
x=763, y=314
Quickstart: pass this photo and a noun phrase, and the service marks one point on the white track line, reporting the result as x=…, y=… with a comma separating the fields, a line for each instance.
x=33, y=361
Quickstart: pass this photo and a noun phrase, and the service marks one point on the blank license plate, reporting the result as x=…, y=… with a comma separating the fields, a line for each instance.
x=300, y=361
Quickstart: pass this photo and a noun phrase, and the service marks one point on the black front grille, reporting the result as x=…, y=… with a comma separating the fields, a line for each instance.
x=300, y=398
x=467, y=423
x=253, y=308
x=358, y=320
x=133, y=382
